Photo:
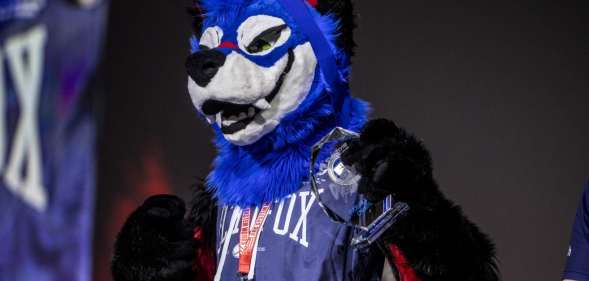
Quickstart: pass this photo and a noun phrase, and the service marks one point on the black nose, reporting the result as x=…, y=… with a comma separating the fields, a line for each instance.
x=203, y=65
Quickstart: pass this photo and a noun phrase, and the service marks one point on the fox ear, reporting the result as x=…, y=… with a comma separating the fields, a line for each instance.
x=196, y=12
x=337, y=7
x=343, y=10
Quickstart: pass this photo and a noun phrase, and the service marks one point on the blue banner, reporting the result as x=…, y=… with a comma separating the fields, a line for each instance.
x=48, y=59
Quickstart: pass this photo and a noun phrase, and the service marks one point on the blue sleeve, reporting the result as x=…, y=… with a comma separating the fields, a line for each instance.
x=577, y=265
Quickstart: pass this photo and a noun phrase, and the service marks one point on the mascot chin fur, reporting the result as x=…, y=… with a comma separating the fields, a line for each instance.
x=270, y=76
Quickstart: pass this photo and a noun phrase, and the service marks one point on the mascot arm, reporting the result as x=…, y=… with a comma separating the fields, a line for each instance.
x=158, y=242
x=435, y=241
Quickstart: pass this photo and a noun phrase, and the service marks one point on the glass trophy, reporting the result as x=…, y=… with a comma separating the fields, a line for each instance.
x=335, y=187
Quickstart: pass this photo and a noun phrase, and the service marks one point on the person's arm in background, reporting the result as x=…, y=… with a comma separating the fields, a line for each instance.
x=577, y=265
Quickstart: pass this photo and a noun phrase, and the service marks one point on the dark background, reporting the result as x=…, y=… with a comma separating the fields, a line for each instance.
x=498, y=91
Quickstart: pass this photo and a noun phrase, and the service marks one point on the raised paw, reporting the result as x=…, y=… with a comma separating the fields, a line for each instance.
x=390, y=160
x=156, y=243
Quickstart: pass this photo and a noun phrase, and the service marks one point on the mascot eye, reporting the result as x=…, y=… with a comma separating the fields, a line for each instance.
x=265, y=40
x=211, y=37
x=259, y=35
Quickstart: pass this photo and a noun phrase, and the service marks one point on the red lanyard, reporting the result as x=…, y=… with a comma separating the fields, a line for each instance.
x=248, y=237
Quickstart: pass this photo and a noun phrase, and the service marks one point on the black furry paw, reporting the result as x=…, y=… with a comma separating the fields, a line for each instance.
x=156, y=243
x=390, y=160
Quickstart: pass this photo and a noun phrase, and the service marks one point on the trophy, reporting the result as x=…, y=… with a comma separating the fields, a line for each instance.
x=369, y=220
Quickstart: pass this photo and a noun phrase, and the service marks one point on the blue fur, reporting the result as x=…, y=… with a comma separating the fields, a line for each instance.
x=277, y=164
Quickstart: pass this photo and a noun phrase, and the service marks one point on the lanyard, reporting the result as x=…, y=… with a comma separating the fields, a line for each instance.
x=248, y=237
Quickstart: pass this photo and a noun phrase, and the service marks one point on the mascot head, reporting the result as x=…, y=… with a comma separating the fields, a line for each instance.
x=271, y=77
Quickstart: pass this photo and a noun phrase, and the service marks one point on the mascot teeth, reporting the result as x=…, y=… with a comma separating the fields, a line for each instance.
x=262, y=104
x=236, y=119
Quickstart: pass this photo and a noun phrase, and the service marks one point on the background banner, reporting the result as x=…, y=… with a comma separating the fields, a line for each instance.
x=49, y=50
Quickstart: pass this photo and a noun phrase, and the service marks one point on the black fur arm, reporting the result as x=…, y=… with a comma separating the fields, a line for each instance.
x=157, y=243
x=437, y=240
x=203, y=216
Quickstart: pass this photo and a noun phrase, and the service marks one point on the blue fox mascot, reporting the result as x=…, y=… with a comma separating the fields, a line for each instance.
x=271, y=78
